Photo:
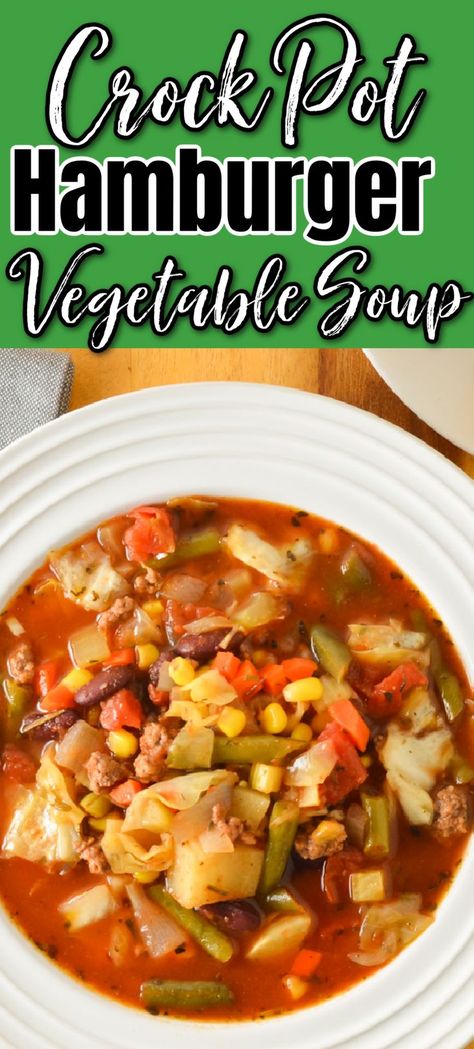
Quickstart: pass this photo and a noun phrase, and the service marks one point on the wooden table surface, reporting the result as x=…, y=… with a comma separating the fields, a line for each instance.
x=344, y=374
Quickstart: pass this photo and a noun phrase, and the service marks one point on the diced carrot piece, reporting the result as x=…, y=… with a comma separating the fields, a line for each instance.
x=227, y=664
x=306, y=962
x=46, y=675
x=274, y=678
x=124, y=793
x=248, y=681
x=346, y=715
x=121, y=658
x=298, y=668
x=59, y=698
x=122, y=709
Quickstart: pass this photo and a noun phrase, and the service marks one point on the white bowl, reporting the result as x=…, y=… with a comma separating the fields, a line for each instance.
x=314, y=453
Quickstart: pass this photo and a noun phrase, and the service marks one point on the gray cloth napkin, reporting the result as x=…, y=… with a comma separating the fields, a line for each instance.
x=35, y=387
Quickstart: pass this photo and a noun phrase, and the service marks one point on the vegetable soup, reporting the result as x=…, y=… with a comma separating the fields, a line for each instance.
x=236, y=759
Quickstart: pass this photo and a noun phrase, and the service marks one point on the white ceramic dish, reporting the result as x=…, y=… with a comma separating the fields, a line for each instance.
x=270, y=443
x=437, y=384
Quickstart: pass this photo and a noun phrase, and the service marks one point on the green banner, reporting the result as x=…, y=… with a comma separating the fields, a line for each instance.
x=250, y=175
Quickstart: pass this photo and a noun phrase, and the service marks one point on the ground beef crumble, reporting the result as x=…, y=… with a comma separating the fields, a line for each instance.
x=21, y=664
x=104, y=772
x=451, y=812
x=154, y=745
x=121, y=609
x=90, y=851
x=232, y=826
x=309, y=848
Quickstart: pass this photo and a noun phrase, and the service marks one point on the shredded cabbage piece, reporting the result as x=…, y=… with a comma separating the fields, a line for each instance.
x=284, y=565
x=88, y=578
x=126, y=855
x=413, y=764
x=45, y=826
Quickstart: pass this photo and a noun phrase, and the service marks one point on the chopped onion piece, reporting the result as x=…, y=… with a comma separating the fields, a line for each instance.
x=187, y=589
x=14, y=626
x=89, y=907
x=88, y=646
x=182, y=792
x=159, y=932
x=192, y=822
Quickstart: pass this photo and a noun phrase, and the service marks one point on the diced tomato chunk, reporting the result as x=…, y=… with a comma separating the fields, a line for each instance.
x=124, y=793
x=248, y=681
x=46, y=675
x=349, y=771
x=274, y=678
x=122, y=709
x=298, y=668
x=17, y=765
x=227, y=664
x=388, y=695
x=59, y=698
x=151, y=533
x=121, y=658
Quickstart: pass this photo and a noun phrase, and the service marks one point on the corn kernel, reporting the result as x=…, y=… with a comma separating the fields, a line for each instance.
x=266, y=778
x=328, y=832
x=273, y=719
x=122, y=743
x=181, y=671
x=231, y=721
x=96, y=805
x=146, y=655
x=296, y=986
x=366, y=760
x=99, y=824
x=154, y=609
x=306, y=690
x=76, y=679
x=146, y=877
x=302, y=732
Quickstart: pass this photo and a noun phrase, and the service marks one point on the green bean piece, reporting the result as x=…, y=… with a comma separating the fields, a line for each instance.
x=330, y=651
x=377, y=832
x=450, y=691
x=184, y=994
x=199, y=544
x=211, y=939
x=281, y=900
x=245, y=750
x=356, y=574
x=17, y=697
x=282, y=829
x=447, y=684
x=460, y=769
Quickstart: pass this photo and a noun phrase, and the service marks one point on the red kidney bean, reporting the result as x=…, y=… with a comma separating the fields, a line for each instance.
x=203, y=647
x=51, y=728
x=233, y=916
x=103, y=685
